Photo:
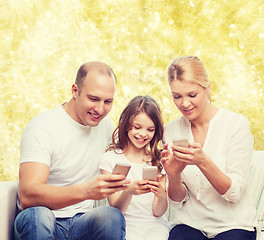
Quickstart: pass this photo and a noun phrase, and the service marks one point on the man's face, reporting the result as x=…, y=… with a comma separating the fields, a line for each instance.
x=95, y=99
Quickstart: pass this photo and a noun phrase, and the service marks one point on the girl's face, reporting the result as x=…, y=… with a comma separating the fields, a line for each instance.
x=142, y=131
x=190, y=98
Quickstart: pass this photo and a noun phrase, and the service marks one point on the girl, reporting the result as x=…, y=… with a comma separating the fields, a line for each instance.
x=208, y=178
x=135, y=142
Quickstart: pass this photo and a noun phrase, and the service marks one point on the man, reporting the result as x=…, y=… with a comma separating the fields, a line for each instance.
x=60, y=154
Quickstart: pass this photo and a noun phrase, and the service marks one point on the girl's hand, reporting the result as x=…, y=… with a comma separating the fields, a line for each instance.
x=138, y=187
x=157, y=188
x=190, y=156
x=170, y=163
x=160, y=202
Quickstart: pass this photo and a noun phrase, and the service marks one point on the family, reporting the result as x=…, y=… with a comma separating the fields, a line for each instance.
x=67, y=156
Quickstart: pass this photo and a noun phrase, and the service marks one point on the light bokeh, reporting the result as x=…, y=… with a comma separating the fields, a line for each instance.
x=43, y=43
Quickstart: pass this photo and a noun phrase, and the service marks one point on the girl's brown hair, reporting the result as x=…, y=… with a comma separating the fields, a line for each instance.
x=140, y=104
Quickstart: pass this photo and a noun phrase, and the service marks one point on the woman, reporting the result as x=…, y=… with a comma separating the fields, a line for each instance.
x=207, y=179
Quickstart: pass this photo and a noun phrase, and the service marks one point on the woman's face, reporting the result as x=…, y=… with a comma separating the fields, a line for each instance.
x=190, y=98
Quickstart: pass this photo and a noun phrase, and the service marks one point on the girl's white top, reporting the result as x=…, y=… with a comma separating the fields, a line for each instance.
x=140, y=207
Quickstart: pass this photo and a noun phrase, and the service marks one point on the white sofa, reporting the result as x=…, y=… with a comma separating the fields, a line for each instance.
x=8, y=196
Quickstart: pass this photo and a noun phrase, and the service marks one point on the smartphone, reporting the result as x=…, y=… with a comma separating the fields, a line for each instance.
x=150, y=173
x=181, y=142
x=122, y=169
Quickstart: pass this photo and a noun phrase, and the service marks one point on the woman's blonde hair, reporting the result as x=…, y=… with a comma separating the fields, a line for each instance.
x=188, y=68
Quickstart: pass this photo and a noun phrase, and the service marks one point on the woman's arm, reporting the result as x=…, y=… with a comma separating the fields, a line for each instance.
x=231, y=182
x=239, y=157
x=218, y=179
x=196, y=156
x=176, y=189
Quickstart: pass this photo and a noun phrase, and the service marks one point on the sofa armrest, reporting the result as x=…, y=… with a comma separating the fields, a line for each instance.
x=8, y=198
x=257, y=185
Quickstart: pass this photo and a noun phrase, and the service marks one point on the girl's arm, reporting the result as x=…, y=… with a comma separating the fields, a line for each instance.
x=160, y=202
x=121, y=200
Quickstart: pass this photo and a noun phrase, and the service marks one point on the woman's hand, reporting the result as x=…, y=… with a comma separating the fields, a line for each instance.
x=170, y=163
x=194, y=155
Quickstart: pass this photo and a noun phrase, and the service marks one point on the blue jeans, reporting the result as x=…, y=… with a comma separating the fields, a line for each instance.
x=184, y=232
x=39, y=223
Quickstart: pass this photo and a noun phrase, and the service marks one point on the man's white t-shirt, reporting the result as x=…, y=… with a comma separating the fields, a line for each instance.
x=71, y=150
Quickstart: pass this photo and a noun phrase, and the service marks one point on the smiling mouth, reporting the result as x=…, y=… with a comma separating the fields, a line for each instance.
x=187, y=110
x=94, y=115
x=141, y=140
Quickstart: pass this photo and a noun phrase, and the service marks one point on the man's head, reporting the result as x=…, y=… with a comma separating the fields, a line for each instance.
x=86, y=67
x=92, y=93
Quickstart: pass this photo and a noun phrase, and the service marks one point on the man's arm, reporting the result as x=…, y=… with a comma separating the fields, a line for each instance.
x=34, y=190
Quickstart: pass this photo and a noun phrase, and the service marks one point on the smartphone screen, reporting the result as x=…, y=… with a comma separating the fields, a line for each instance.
x=150, y=173
x=181, y=142
x=121, y=169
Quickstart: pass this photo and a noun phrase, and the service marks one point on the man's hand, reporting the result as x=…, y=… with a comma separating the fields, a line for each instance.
x=104, y=185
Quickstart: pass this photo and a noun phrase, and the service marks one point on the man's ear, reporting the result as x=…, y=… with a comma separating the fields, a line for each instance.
x=208, y=91
x=74, y=90
x=209, y=87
